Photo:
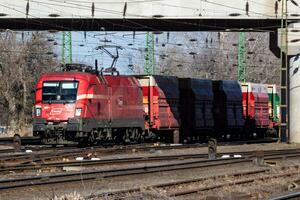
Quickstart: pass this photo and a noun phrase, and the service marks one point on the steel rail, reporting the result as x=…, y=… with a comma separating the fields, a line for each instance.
x=25, y=140
x=35, y=166
x=82, y=151
x=88, y=175
x=215, y=186
x=101, y=162
x=174, y=183
x=35, y=146
x=7, y=156
x=287, y=196
x=238, y=182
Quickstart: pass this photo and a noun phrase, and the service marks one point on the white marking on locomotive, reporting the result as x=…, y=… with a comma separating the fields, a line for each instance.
x=91, y=96
x=56, y=111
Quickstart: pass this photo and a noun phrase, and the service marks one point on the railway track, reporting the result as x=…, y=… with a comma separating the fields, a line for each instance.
x=117, y=161
x=241, y=181
x=43, y=154
x=290, y=195
x=19, y=162
x=25, y=140
x=224, y=180
x=72, y=152
x=35, y=143
x=95, y=174
x=165, y=186
x=33, y=166
x=100, y=174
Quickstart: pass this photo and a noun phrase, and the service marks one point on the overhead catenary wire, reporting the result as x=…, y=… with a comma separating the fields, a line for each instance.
x=170, y=53
x=143, y=26
x=87, y=7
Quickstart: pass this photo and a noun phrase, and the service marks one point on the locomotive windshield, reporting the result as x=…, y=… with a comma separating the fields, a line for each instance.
x=59, y=91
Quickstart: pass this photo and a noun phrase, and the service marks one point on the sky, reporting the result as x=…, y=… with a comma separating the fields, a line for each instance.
x=132, y=47
x=179, y=47
x=132, y=52
x=84, y=48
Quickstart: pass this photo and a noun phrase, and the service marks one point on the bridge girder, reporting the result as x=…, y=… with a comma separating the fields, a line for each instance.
x=141, y=24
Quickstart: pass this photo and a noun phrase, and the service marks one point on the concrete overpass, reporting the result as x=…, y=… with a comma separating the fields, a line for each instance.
x=134, y=15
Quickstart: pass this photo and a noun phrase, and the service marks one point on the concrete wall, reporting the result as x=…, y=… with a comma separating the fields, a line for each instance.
x=294, y=99
x=263, y=9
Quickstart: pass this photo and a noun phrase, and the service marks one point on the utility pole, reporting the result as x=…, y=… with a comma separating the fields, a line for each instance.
x=149, y=54
x=284, y=75
x=66, y=51
x=242, y=58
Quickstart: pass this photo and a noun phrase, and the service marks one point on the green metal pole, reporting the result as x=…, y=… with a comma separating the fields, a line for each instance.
x=149, y=54
x=152, y=56
x=66, y=52
x=70, y=46
x=242, y=58
x=284, y=100
x=63, y=48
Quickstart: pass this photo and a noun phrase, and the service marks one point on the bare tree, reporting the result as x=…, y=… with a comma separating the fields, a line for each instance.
x=22, y=60
x=214, y=55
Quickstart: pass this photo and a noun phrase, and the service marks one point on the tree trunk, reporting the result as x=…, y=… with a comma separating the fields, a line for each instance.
x=13, y=115
x=23, y=118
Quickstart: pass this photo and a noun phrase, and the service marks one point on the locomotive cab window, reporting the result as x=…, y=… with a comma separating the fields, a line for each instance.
x=59, y=91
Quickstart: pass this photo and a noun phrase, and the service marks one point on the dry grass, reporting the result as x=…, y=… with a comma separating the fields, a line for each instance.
x=144, y=194
x=72, y=196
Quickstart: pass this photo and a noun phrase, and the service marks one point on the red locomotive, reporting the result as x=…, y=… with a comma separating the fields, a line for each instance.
x=81, y=105
x=85, y=107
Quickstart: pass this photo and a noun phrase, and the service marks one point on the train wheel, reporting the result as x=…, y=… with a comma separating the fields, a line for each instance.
x=119, y=138
x=132, y=135
x=92, y=137
x=142, y=138
x=82, y=143
x=272, y=132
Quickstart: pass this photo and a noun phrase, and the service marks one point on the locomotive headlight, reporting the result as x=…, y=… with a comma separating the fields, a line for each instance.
x=38, y=112
x=78, y=112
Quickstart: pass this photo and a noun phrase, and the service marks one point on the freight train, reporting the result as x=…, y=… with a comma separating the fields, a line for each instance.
x=81, y=105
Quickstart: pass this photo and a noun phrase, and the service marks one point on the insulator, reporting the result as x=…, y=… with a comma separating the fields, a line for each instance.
x=295, y=3
x=276, y=8
x=93, y=9
x=125, y=9
x=27, y=8
x=247, y=8
x=168, y=36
